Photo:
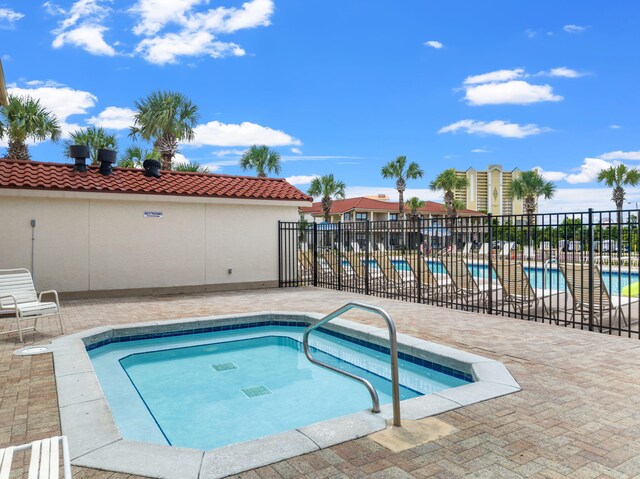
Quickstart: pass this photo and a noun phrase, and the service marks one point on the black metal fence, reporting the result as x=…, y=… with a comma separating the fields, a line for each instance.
x=576, y=270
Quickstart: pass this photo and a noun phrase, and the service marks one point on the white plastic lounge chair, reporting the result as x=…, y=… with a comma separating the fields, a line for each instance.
x=381, y=247
x=355, y=246
x=45, y=458
x=18, y=295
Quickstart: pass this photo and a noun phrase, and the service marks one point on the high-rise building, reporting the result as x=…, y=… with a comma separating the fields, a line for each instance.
x=490, y=191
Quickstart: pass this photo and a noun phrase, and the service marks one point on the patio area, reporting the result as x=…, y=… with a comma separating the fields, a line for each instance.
x=576, y=416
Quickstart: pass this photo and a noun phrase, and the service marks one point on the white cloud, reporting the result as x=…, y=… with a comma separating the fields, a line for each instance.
x=297, y=151
x=216, y=133
x=82, y=26
x=114, y=118
x=61, y=101
x=197, y=30
x=301, y=179
x=495, y=76
x=574, y=28
x=615, y=127
x=563, y=72
x=621, y=155
x=155, y=14
x=516, y=92
x=167, y=48
x=550, y=175
x=570, y=200
x=434, y=44
x=480, y=150
x=88, y=37
x=9, y=16
x=588, y=171
x=223, y=153
x=496, y=127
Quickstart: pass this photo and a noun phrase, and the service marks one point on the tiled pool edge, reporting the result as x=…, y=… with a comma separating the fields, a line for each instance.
x=95, y=441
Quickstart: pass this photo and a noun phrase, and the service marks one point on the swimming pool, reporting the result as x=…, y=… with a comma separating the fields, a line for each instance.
x=538, y=278
x=212, y=389
x=100, y=417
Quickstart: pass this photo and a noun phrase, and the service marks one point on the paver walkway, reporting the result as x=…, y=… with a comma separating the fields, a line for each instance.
x=578, y=414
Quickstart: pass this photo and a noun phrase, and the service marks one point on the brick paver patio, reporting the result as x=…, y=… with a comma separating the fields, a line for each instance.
x=577, y=416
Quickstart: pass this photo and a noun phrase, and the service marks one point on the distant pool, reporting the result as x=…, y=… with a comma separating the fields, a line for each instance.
x=538, y=278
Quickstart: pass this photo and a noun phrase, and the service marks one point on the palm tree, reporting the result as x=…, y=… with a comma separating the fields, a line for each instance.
x=328, y=188
x=396, y=169
x=414, y=205
x=449, y=181
x=23, y=119
x=261, y=159
x=192, y=166
x=530, y=186
x=134, y=155
x=616, y=177
x=94, y=138
x=166, y=118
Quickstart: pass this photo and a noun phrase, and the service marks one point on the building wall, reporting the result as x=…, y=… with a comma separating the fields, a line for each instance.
x=102, y=242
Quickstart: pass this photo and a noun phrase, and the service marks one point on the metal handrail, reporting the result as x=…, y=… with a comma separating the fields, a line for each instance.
x=393, y=351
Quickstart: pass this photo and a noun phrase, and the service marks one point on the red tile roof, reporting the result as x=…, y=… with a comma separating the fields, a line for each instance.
x=369, y=204
x=62, y=177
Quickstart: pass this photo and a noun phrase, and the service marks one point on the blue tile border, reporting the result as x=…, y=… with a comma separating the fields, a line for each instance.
x=300, y=324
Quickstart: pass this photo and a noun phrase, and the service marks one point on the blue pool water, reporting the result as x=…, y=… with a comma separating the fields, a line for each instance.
x=209, y=390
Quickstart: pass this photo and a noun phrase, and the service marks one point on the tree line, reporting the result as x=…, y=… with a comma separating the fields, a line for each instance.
x=165, y=119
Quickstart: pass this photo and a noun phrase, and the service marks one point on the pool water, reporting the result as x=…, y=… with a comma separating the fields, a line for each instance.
x=208, y=390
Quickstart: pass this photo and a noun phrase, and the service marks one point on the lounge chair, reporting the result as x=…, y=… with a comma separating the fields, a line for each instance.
x=45, y=458
x=465, y=287
x=517, y=290
x=392, y=277
x=432, y=284
x=355, y=247
x=577, y=278
x=305, y=265
x=18, y=296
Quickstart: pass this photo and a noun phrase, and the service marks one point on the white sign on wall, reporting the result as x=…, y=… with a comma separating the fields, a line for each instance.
x=153, y=214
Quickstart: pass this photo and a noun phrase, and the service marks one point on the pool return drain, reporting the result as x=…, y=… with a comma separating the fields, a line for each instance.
x=224, y=367
x=256, y=391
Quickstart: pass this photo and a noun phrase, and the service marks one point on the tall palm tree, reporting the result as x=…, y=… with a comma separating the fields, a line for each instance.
x=25, y=118
x=396, y=169
x=328, y=188
x=616, y=177
x=530, y=186
x=414, y=205
x=261, y=159
x=94, y=138
x=449, y=181
x=166, y=118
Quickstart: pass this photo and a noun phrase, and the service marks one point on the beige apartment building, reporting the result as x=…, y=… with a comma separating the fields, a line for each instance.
x=489, y=191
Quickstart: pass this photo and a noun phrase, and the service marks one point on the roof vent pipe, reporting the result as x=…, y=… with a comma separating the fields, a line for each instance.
x=106, y=158
x=152, y=168
x=80, y=153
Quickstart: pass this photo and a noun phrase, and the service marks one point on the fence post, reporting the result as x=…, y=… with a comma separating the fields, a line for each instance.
x=490, y=299
x=420, y=260
x=315, y=253
x=280, y=255
x=366, y=258
x=590, y=233
x=339, y=265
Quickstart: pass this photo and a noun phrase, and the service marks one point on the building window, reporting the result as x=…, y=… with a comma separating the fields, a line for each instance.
x=361, y=216
x=393, y=216
x=347, y=216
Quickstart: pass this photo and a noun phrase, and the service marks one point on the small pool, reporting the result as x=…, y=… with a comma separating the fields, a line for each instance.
x=208, y=390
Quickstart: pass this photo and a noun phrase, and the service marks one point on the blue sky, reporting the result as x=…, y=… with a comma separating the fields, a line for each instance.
x=344, y=86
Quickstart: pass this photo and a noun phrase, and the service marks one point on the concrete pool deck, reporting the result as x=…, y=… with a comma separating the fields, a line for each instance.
x=576, y=416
